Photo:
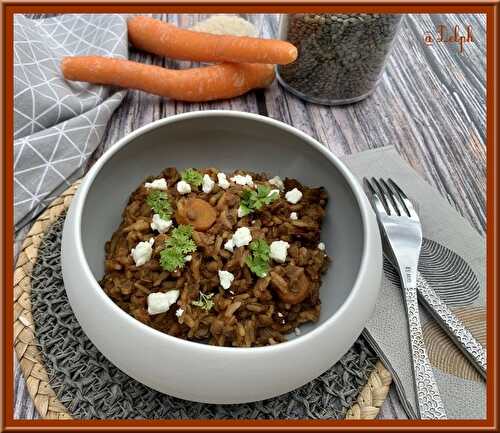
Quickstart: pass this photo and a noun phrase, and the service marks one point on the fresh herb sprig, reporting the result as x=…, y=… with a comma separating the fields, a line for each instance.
x=158, y=201
x=205, y=302
x=177, y=246
x=252, y=200
x=258, y=261
x=193, y=177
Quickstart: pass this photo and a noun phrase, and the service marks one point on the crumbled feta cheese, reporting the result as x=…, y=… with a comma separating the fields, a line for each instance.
x=157, y=184
x=142, y=252
x=280, y=314
x=179, y=312
x=188, y=258
x=277, y=182
x=273, y=191
x=183, y=187
x=160, y=302
x=159, y=224
x=229, y=245
x=279, y=251
x=223, y=182
x=293, y=196
x=226, y=279
x=297, y=331
x=242, y=180
x=321, y=246
x=241, y=212
x=242, y=237
x=294, y=216
x=208, y=184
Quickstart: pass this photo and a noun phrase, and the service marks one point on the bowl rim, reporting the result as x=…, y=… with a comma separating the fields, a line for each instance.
x=355, y=187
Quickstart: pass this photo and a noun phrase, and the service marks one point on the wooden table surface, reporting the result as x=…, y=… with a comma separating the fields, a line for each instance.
x=430, y=105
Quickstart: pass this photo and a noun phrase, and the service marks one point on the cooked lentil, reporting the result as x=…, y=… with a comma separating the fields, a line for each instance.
x=255, y=311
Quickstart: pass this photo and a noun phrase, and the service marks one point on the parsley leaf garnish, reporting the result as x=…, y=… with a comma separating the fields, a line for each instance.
x=177, y=246
x=252, y=200
x=205, y=302
x=193, y=177
x=158, y=201
x=258, y=261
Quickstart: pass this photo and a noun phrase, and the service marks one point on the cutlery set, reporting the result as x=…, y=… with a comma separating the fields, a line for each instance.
x=402, y=240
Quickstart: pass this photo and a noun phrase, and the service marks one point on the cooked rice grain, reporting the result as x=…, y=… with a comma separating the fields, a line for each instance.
x=254, y=311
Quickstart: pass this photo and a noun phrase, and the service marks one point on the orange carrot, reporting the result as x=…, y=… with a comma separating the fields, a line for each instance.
x=222, y=81
x=167, y=40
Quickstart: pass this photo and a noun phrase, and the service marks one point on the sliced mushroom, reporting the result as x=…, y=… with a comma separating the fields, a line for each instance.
x=140, y=226
x=227, y=199
x=293, y=291
x=196, y=212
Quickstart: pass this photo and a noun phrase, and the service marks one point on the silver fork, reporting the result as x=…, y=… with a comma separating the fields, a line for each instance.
x=401, y=227
x=448, y=321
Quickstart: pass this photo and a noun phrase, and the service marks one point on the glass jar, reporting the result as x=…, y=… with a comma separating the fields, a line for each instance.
x=341, y=56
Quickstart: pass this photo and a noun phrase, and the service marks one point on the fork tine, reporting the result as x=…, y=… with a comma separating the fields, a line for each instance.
x=385, y=198
x=377, y=204
x=393, y=195
x=407, y=202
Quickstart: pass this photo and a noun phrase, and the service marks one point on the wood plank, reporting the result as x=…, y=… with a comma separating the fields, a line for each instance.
x=430, y=104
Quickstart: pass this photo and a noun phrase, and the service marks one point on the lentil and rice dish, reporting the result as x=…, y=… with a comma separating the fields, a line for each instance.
x=228, y=260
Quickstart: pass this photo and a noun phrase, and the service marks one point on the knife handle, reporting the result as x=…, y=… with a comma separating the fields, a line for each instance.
x=430, y=404
x=452, y=325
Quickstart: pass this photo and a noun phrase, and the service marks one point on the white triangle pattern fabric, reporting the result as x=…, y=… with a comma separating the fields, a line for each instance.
x=58, y=124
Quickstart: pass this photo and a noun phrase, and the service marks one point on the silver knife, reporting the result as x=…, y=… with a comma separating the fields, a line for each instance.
x=449, y=322
x=452, y=325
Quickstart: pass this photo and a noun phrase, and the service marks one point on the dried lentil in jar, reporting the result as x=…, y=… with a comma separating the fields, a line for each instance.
x=341, y=56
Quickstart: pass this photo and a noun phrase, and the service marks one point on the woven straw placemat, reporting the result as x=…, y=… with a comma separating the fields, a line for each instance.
x=30, y=358
x=25, y=343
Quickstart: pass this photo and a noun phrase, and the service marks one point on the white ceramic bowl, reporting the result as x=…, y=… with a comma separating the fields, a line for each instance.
x=228, y=140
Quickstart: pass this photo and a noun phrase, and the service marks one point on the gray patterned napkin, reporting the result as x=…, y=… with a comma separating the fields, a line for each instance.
x=58, y=124
x=455, y=266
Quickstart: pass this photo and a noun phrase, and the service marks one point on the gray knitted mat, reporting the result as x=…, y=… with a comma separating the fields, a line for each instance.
x=92, y=388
